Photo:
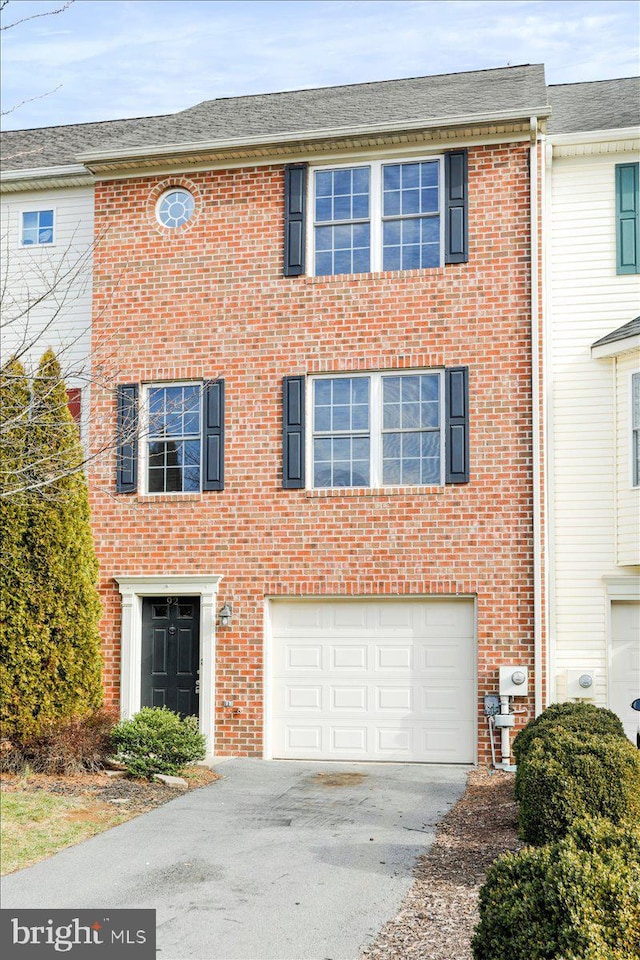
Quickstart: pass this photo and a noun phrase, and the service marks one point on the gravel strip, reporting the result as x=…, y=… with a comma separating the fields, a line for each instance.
x=438, y=916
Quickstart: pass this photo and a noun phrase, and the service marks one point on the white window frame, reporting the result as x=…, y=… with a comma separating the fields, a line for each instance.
x=143, y=437
x=375, y=219
x=174, y=189
x=375, y=425
x=635, y=480
x=37, y=208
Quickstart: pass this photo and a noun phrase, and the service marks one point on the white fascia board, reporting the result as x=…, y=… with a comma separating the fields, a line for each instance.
x=44, y=178
x=593, y=136
x=44, y=173
x=386, y=126
x=616, y=347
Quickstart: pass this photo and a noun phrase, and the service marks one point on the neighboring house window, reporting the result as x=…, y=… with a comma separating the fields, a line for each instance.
x=627, y=218
x=177, y=435
x=378, y=216
x=377, y=430
x=37, y=227
x=173, y=441
x=635, y=428
x=175, y=208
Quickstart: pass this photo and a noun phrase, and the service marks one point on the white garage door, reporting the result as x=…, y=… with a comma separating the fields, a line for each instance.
x=624, y=679
x=374, y=680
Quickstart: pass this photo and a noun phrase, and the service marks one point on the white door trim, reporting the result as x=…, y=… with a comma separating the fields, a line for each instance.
x=132, y=591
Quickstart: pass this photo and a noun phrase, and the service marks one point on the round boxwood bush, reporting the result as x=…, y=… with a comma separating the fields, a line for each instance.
x=567, y=775
x=157, y=740
x=577, y=899
x=578, y=717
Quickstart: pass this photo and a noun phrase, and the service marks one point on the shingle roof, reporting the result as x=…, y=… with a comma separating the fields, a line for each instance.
x=597, y=105
x=520, y=90
x=631, y=329
x=59, y=146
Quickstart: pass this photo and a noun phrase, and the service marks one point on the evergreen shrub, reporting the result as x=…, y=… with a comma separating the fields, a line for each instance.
x=50, y=657
x=566, y=775
x=157, y=740
x=578, y=717
x=576, y=899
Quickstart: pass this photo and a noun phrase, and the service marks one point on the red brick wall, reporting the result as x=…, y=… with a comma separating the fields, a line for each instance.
x=210, y=301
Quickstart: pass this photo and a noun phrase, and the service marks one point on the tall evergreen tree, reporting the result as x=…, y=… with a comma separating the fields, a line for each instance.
x=54, y=662
x=15, y=573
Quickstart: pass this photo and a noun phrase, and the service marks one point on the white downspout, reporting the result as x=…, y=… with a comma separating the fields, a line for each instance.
x=535, y=425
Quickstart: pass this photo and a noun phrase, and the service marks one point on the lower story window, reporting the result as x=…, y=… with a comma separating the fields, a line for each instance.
x=377, y=430
x=174, y=438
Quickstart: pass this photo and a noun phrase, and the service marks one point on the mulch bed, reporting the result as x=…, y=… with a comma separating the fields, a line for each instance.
x=438, y=916
x=131, y=795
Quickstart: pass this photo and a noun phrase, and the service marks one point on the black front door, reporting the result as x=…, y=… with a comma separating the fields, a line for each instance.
x=171, y=653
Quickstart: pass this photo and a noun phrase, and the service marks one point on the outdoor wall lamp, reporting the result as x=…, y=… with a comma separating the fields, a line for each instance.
x=225, y=614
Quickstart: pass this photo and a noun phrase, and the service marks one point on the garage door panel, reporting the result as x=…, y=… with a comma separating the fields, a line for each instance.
x=394, y=657
x=350, y=698
x=298, y=656
x=373, y=680
x=348, y=656
x=447, y=700
x=303, y=698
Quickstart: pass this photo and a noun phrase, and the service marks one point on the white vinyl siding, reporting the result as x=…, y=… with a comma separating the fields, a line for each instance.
x=373, y=679
x=586, y=299
x=62, y=319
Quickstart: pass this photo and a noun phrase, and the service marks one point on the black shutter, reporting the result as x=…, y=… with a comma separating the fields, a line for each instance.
x=127, y=439
x=457, y=425
x=213, y=435
x=456, y=194
x=293, y=433
x=295, y=188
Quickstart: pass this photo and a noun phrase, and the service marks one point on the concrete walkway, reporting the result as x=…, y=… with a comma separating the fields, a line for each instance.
x=280, y=860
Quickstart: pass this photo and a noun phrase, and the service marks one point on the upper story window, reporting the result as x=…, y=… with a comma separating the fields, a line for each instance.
x=377, y=430
x=175, y=207
x=37, y=228
x=627, y=218
x=635, y=428
x=173, y=441
x=377, y=216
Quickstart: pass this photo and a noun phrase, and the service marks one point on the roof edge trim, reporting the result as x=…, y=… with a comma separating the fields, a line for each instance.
x=614, y=347
x=123, y=153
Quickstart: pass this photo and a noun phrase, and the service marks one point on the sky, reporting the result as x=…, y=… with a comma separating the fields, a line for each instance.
x=108, y=59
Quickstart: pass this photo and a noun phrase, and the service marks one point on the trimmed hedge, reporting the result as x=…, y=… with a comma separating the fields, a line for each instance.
x=577, y=899
x=577, y=717
x=157, y=740
x=568, y=775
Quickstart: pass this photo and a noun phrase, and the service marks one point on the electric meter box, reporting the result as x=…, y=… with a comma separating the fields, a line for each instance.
x=514, y=681
x=581, y=684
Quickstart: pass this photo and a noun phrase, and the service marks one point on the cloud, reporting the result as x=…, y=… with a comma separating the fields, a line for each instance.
x=124, y=58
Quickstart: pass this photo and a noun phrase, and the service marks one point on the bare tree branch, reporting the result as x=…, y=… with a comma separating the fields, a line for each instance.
x=34, y=16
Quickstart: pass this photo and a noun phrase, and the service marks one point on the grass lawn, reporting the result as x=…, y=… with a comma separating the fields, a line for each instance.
x=35, y=825
x=41, y=814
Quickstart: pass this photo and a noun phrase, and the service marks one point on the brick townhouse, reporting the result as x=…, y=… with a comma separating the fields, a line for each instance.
x=315, y=323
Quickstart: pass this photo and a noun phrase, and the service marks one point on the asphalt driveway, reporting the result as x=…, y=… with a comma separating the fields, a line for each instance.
x=280, y=860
